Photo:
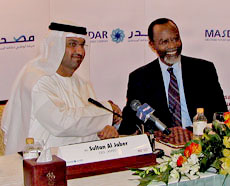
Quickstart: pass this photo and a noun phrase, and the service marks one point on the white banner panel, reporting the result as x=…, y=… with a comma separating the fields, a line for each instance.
x=23, y=24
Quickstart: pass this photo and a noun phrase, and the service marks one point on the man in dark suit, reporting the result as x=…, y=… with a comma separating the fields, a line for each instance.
x=197, y=82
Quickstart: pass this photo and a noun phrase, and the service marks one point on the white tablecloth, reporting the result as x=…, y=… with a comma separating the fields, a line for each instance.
x=11, y=174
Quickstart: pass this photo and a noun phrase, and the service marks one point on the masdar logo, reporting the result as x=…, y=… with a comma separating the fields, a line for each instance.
x=117, y=35
x=217, y=35
x=19, y=42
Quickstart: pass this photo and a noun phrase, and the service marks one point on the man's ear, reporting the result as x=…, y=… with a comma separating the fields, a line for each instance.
x=152, y=46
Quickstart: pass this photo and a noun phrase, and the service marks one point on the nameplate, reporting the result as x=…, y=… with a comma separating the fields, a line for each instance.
x=105, y=150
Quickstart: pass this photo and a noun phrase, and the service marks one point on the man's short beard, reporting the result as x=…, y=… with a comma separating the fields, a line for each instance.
x=172, y=60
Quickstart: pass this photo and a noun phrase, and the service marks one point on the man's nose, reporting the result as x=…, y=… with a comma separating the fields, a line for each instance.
x=79, y=49
x=172, y=44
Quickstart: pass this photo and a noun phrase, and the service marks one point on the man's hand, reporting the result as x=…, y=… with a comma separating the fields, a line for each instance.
x=116, y=109
x=108, y=132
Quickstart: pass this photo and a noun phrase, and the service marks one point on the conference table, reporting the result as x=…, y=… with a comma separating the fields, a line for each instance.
x=11, y=174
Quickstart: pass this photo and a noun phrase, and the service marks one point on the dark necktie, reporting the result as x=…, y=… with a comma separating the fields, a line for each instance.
x=174, y=99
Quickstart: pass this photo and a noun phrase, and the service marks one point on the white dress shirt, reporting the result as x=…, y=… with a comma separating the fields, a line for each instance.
x=185, y=118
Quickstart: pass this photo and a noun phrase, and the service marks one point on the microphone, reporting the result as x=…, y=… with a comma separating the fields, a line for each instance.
x=141, y=114
x=102, y=106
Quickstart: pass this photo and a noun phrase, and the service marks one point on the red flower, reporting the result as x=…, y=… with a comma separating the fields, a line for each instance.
x=187, y=151
x=196, y=148
x=193, y=148
x=181, y=160
x=227, y=122
x=226, y=115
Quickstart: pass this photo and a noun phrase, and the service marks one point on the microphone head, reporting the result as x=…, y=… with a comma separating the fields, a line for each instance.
x=95, y=102
x=135, y=104
x=90, y=100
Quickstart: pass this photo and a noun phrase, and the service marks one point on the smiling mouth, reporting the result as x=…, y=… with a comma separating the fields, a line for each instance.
x=77, y=57
x=172, y=52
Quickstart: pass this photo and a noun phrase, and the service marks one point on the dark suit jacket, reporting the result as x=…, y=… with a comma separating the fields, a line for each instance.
x=201, y=88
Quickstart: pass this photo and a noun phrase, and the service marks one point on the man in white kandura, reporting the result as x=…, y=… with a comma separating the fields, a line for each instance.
x=49, y=100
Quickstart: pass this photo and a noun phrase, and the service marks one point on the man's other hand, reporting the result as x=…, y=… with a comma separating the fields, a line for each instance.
x=108, y=132
x=116, y=109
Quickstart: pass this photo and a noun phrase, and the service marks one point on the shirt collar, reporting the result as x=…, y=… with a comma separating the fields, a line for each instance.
x=176, y=67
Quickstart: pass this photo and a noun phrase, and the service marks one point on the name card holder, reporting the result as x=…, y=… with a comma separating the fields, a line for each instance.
x=106, y=156
x=108, y=166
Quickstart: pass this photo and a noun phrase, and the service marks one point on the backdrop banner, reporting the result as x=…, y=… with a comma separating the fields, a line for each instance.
x=118, y=37
x=23, y=25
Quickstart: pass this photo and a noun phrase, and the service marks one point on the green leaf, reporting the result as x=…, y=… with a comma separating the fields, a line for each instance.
x=145, y=181
x=217, y=164
x=225, y=179
x=165, y=175
x=179, y=151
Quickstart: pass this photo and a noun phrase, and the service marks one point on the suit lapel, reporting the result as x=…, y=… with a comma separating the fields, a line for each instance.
x=158, y=87
x=186, y=78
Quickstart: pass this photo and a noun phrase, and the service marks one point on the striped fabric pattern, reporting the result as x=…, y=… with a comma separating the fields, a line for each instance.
x=174, y=99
